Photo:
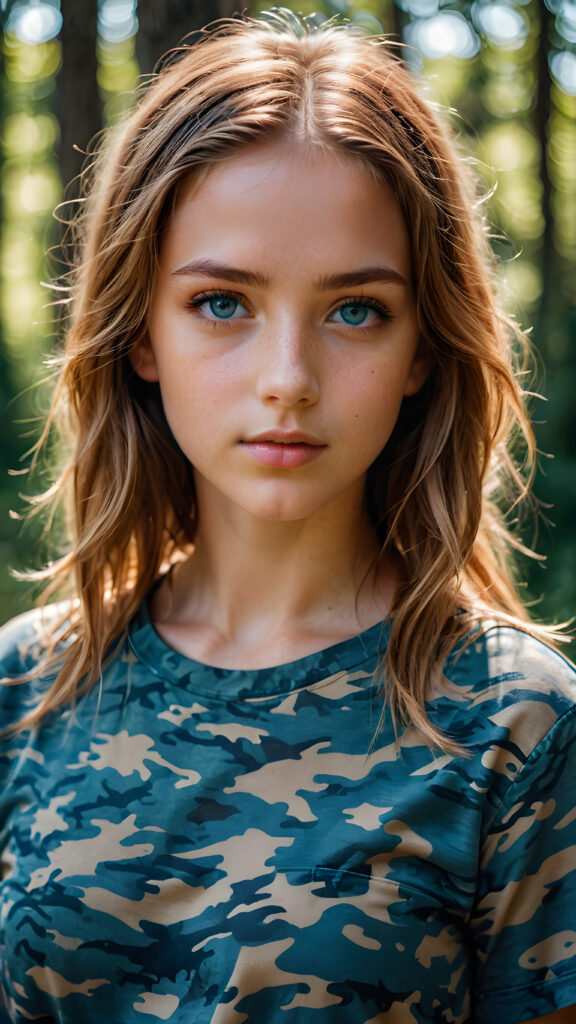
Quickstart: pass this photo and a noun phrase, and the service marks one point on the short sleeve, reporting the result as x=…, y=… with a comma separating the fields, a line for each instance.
x=524, y=922
x=22, y=645
x=17, y=638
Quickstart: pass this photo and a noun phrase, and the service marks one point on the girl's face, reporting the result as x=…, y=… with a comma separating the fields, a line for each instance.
x=283, y=329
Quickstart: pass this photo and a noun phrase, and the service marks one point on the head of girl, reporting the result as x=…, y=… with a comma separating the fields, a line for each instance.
x=284, y=302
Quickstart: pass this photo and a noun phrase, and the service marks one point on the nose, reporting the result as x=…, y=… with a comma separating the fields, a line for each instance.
x=287, y=370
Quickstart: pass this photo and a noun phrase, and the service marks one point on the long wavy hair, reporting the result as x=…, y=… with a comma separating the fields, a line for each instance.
x=436, y=492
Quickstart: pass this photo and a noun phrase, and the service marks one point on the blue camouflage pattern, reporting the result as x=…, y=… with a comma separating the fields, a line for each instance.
x=192, y=844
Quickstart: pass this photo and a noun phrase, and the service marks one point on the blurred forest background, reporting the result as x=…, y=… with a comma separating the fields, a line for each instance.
x=69, y=67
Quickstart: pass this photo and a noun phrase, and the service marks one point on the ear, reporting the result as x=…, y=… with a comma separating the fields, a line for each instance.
x=419, y=369
x=143, y=360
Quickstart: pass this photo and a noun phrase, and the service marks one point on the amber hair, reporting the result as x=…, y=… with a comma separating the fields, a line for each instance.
x=435, y=493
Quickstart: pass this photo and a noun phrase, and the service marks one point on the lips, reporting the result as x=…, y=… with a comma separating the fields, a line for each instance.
x=283, y=437
x=283, y=449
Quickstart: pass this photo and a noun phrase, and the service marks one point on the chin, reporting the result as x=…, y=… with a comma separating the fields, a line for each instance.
x=274, y=501
x=281, y=508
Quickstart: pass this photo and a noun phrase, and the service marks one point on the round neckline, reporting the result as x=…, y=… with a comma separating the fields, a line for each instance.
x=164, y=661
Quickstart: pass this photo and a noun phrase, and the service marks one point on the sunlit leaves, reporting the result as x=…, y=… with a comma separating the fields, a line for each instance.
x=523, y=283
x=504, y=94
x=117, y=76
x=29, y=63
x=30, y=189
x=31, y=133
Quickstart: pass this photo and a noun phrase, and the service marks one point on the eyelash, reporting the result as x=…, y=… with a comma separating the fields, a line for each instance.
x=214, y=293
x=353, y=300
x=370, y=303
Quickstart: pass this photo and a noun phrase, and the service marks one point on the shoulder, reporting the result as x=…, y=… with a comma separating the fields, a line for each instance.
x=501, y=658
x=506, y=656
x=24, y=639
x=505, y=687
x=523, y=716
x=24, y=642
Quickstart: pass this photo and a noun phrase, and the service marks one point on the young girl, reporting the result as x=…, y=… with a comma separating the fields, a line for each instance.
x=291, y=750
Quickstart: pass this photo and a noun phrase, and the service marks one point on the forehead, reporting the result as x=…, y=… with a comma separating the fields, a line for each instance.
x=296, y=200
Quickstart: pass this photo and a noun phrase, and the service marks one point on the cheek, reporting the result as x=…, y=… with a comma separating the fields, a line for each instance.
x=197, y=395
x=373, y=402
x=376, y=392
x=186, y=405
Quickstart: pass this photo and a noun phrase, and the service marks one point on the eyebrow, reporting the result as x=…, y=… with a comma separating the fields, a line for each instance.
x=330, y=282
x=366, y=275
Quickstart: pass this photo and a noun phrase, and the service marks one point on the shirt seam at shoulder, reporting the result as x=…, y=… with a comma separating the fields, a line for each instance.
x=534, y=754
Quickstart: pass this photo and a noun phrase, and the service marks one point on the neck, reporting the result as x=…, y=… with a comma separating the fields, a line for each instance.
x=257, y=592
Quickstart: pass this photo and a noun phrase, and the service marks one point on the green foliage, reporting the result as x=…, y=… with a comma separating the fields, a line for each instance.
x=117, y=77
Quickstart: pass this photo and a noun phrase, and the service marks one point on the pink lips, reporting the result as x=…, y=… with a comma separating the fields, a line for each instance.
x=283, y=450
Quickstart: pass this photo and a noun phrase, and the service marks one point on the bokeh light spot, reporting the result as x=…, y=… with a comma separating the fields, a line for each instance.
x=34, y=22
x=563, y=69
x=420, y=8
x=502, y=25
x=37, y=192
x=447, y=34
x=117, y=20
x=509, y=147
x=523, y=282
x=29, y=133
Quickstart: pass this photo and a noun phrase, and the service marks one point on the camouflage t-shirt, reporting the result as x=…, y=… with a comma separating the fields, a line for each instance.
x=197, y=845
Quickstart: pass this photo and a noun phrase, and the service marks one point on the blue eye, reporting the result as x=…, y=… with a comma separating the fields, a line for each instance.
x=360, y=313
x=218, y=307
x=223, y=307
x=353, y=314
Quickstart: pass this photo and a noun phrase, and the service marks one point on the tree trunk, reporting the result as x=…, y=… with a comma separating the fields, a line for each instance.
x=542, y=112
x=8, y=385
x=165, y=23
x=397, y=20
x=78, y=103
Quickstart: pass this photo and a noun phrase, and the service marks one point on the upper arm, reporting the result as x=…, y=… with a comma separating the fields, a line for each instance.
x=524, y=922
